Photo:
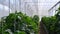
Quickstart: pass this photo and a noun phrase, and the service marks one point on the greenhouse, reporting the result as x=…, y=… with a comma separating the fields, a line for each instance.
x=29, y=16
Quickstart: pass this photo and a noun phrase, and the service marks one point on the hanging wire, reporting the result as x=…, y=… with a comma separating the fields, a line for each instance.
x=19, y=5
x=28, y=8
x=51, y=13
x=25, y=7
x=15, y=4
x=59, y=3
x=2, y=23
x=2, y=18
x=55, y=10
x=15, y=18
x=36, y=6
x=9, y=6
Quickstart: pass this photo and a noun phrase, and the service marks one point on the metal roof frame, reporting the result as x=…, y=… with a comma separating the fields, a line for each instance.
x=54, y=6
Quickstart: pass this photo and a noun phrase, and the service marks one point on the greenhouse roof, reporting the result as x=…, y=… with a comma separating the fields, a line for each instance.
x=41, y=6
